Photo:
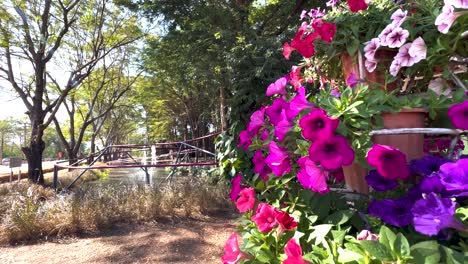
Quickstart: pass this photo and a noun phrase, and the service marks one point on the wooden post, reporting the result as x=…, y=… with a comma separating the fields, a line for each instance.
x=11, y=174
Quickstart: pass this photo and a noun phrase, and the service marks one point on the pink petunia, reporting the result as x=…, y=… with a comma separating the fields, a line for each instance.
x=287, y=50
x=278, y=87
x=294, y=253
x=367, y=235
x=298, y=104
x=418, y=50
x=331, y=152
x=357, y=5
x=236, y=187
x=278, y=160
x=265, y=217
x=457, y=3
x=232, y=252
x=440, y=87
x=397, y=37
x=264, y=134
x=246, y=200
x=295, y=75
x=311, y=176
x=257, y=121
x=458, y=115
x=398, y=17
x=303, y=15
x=283, y=126
x=317, y=123
x=371, y=48
x=445, y=20
x=390, y=162
x=384, y=34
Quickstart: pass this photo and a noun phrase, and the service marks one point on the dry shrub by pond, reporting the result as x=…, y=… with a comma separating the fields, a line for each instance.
x=31, y=212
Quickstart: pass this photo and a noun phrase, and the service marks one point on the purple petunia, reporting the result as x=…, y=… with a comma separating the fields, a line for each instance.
x=311, y=176
x=458, y=115
x=274, y=111
x=454, y=176
x=379, y=183
x=298, y=104
x=432, y=214
x=278, y=87
x=427, y=185
x=427, y=165
x=257, y=121
x=395, y=212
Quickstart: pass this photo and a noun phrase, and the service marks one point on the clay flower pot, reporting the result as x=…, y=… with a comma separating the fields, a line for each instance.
x=351, y=64
x=410, y=144
x=355, y=178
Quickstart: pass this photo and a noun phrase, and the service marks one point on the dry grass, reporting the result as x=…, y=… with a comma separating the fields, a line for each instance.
x=31, y=212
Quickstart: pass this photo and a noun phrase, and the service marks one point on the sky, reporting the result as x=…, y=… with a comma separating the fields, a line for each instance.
x=10, y=105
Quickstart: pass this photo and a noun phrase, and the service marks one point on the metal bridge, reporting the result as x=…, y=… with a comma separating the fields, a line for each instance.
x=194, y=152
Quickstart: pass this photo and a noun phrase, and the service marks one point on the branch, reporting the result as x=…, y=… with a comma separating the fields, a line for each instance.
x=27, y=31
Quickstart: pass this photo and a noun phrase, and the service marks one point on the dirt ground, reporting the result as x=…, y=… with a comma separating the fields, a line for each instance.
x=189, y=241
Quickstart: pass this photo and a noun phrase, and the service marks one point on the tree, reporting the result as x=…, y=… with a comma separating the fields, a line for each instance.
x=91, y=104
x=35, y=33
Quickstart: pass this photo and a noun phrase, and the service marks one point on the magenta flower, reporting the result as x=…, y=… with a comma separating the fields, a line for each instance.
x=278, y=87
x=445, y=20
x=257, y=121
x=390, y=162
x=331, y=152
x=244, y=140
x=283, y=126
x=246, y=200
x=265, y=217
x=278, y=160
x=326, y=31
x=298, y=104
x=274, y=111
x=236, y=187
x=432, y=214
x=352, y=81
x=294, y=253
x=311, y=176
x=367, y=235
x=287, y=50
x=232, y=252
x=371, y=48
x=357, y=5
x=418, y=49
x=316, y=13
x=317, y=123
x=258, y=161
x=458, y=115
x=384, y=34
x=397, y=37
x=398, y=17
x=457, y=3
x=264, y=135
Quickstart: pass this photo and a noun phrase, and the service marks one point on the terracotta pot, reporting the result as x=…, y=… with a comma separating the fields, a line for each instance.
x=411, y=144
x=350, y=64
x=355, y=178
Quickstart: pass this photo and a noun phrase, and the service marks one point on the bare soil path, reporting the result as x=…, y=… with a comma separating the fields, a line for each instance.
x=189, y=241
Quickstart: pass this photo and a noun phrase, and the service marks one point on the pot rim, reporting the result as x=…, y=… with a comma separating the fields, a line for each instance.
x=409, y=110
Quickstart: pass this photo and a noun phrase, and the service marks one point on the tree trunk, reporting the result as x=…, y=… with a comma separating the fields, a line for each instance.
x=33, y=154
x=1, y=148
x=222, y=106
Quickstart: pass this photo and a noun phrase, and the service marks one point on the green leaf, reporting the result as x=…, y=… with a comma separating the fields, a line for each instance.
x=387, y=237
x=401, y=246
x=347, y=256
x=377, y=250
x=426, y=252
x=339, y=217
x=352, y=47
x=320, y=231
x=452, y=256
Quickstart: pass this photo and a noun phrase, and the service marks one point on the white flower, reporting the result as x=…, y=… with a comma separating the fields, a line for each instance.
x=397, y=37
x=398, y=17
x=418, y=50
x=383, y=35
